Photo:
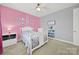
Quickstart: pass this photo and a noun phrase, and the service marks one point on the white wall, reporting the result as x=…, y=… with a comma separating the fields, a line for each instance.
x=64, y=23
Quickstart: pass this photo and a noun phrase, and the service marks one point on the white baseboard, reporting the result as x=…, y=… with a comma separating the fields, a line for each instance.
x=66, y=41
x=50, y=38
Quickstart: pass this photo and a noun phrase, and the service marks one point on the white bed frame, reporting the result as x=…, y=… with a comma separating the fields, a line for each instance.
x=41, y=39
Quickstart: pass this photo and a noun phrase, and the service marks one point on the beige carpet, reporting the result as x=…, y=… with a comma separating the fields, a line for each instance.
x=17, y=49
x=53, y=47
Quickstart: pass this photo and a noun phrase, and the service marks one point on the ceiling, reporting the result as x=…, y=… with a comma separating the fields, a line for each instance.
x=46, y=8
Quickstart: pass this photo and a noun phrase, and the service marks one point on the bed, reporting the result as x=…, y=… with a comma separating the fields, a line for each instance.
x=32, y=40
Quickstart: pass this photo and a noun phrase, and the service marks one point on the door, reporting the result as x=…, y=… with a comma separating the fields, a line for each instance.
x=76, y=26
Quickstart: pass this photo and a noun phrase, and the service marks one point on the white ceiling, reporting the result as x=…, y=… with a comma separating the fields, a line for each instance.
x=30, y=7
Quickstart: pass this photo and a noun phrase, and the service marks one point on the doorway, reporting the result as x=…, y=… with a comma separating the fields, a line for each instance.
x=76, y=26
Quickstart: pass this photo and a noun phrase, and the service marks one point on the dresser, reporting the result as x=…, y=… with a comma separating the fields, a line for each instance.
x=9, y=40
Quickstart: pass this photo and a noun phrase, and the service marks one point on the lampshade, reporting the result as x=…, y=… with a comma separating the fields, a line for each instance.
x=38, y=9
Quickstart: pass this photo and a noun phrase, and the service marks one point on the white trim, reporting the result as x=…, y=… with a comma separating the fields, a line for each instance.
x=75, y=28
x=75, y=44
x=66, y=41
x=51, y=38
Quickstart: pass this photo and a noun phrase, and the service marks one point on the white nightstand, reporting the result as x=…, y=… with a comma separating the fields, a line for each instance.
x=11, y=41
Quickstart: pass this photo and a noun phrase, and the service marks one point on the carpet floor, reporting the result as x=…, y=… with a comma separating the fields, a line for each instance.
x=52, y=47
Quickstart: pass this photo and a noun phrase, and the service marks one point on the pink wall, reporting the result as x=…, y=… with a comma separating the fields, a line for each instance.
x=9, y=18
x=1, y=49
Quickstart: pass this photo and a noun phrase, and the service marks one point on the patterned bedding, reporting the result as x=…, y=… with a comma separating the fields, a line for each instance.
x=34, y=39
x=35, y=42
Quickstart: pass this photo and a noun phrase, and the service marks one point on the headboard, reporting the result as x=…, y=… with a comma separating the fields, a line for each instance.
x=27, y=29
